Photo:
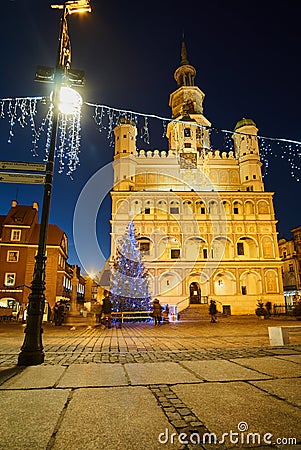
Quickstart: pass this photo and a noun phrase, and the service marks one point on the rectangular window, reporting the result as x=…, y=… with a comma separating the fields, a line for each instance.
x=175, y=253
x=187, y=145
x=235, y=210
x=203, y=210
x=174, y=210
x=240, y=248
x=147, y=211
x=244, y=290
x=15, y=235
x=291, y=268
x=12, y=256
x=10, y=279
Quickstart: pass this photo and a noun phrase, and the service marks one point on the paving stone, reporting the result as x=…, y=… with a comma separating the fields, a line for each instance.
x=223, y=406
x=222, y=370
x=288, y=389
x=35, y=377
x=168, y=409
x=189, y=418
x=112, y=429
x=184, y=411
x=173, y=416
x=28, y=418
x=179, y=423
x=92, y=374
x=153, y=373
x=293, y=358
x=273, y=366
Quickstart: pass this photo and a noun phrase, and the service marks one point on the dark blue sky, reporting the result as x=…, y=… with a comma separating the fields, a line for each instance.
x=247, y=57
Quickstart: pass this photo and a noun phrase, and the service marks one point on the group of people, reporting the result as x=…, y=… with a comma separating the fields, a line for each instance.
x=103, y=312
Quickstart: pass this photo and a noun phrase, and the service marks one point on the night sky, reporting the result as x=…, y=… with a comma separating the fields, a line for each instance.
x=247, y=57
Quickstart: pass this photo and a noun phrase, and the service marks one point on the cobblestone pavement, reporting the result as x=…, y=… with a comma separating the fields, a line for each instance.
x=193, y=378
x=231, y=337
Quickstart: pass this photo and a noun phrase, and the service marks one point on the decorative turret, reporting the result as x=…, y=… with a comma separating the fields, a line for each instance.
x=187, y=93
x=125, y=138
x=185, y=74
x=187, y=107
x=125, y=154
x=247, y=152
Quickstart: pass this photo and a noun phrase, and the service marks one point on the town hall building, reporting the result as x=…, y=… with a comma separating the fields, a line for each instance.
x=207, y=228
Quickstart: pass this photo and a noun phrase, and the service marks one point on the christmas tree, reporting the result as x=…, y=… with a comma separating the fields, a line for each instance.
x=129, y=284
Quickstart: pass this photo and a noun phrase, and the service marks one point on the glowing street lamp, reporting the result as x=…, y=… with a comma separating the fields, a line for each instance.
x=65, y=101
x=70, y=101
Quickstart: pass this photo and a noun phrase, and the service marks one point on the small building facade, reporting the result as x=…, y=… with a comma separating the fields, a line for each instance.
x=207, y=227
x=19, y=235
x=290, y=254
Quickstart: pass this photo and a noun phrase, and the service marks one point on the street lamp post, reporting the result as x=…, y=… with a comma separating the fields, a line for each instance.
x=32, y=348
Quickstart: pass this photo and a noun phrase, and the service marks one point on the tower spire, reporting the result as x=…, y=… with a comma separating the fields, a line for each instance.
x=185, y=73
x=184, y=60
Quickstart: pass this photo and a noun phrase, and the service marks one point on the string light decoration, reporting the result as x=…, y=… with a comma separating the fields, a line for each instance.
x=23, y=111
x=129, y=281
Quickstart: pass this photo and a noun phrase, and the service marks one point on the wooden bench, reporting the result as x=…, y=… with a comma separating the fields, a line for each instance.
x=280, y=335
x=131, y=315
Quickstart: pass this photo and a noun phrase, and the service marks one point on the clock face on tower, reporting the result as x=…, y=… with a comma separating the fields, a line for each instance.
x=188, y=160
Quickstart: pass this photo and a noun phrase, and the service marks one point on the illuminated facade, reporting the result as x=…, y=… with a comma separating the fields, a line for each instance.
x=206, y=226
x=290, y=253
x=19, y=234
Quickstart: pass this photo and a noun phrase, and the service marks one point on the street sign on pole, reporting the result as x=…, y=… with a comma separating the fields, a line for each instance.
x=14, y=165
x=24, y=178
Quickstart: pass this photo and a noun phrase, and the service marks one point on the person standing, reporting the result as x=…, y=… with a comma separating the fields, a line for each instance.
x=212, y=311
x=157, y=310
x=98, y=312
x=165, y=314
x=107, y=310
